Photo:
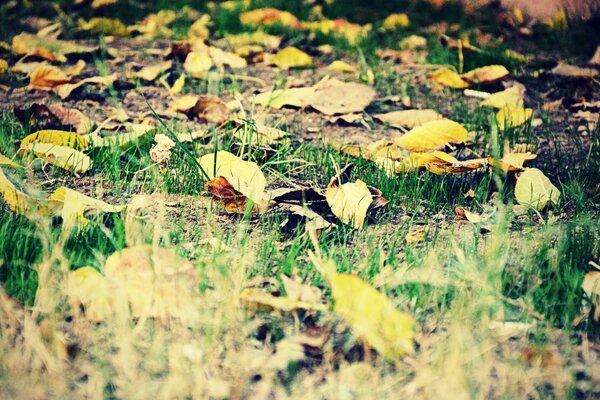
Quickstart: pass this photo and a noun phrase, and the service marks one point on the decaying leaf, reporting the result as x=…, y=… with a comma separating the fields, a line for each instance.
x=534, y=189
x=233, y=181
x=408, y=118
x=372, y=316
x=433, y=135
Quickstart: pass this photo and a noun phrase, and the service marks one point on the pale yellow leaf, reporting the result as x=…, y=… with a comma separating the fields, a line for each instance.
x=295, y=97
x=513, y=117
x=508, y=98
x=197, y=64
x=290, y=57
x=152, y=72
x=535, y=190
x=24, y=204
x=77, y=205
x=88, y=288
x=489, y=73
x=62, y=156
x=262, y=300
x=349, y=201
x=342, y=66
x=372, y=316
x=433, y=135
x=56, y=137
x=448, y=78
x=269, y=17
x=408, y=118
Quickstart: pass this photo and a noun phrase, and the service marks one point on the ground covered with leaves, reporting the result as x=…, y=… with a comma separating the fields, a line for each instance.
x=298, y=199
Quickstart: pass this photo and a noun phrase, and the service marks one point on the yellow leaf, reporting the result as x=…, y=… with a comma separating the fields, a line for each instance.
x=291, y=57
x=197, y=63
x=433, y=135
x=7, y=162
x=448, y=78
x=513, y=117
x=58, y=138
x=512, y=161
x=417, y=235
x=268, y=17
x=262, y=300
x=535, y=190
x=455, y=166
x=88, y=288
x=3, y=67
x=47, y=76
x=199, y=29
x=252, y=38
x=45, y=47
x=77, y=205
x=413, y=42
x=106, y=26
x=152, y=72
x=23, y=204
x=349, y=201
x=65, y=90
x=489, y=73
x=395, y=21
x=123, y=140
x=408, y=118
x=232, y=60
x=61, y=156
x=244, y=176
x=342, y=66
x=295, y=97
x=509, y=98
x=178, y=85
x=372, y=316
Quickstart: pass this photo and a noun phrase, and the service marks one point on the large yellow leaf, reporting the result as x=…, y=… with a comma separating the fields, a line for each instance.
x=408, y=118
x=395, y=21
x=433, y=135
x=349, y=201
x=290, y=57
x=489, y=73
x=244, y=177
x=535, y=190
x=512, y=161
x=197, y=63
x=58, y=138
x=513, y=117
x=7, y=162
x=23, y=204
x=448, y=78
x=61, y=156
x=77, y=205
x=372, y=316
x=508, y=98
x=106, y=26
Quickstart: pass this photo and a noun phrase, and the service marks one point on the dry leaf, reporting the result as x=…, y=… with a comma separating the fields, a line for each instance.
x=221, y=58
x=76, y=207
x=512, y=161
x=23, y=204
x=372, y=316
x=573, y=71
x=47, y=77
x=408, y=118
x=534, y=189
x=48, y=48
x=87, y=288
x=150, y=73
x=105, y=26
x=342, y=66
x=65, y=90
x=349, y=201
x=433, y=135
x=487, y=74
x=261, y=300
x=269, y=17
x=58, y=138
x=335, y=97
x=122, y=140
x=63, y=157
x=161, y=151
x=240, y=180
x=197, y=64
x=295, y=97
x=417, y=235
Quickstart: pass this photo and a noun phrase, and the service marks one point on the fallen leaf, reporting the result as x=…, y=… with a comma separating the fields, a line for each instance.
x=76, y=207
x=418, y=235
x=3, y=67
x=591, y=287
x=122, y=140
x=199, y=29
x=372, y=316
x=448, y=78
x=335, y=97
x=62, y=156
x=487, y=74
x=261, y=300
x=160, y=152
x=290, y=57
x=513, y=117
x=151, y=72
x=295, y=97
x=87, y=288
x=512, y=161
x=197, y=64
x=454, y=166
x=573, y=71
x=257, y=134
x=47, y=77
x=508, y=98
x=395, y=21
x=233, y=180
x=24, y=204
x=349, y=201
x=65, y=90
x=55, y=137
x=342, y=66
x=105, y=26
x=413, y=42
x=433, y=135
x=408, y=118
x=7, y=162
x=48, y=48
x=269, y=17
x=221, y=58
x=534, y=189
